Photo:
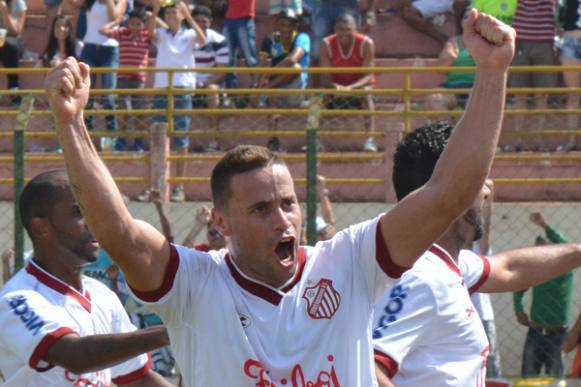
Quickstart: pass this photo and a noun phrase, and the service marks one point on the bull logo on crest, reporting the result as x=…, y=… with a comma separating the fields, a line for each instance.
x=322, y=300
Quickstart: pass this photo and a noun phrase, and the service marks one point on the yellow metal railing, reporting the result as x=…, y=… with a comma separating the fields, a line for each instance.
x=406, y=94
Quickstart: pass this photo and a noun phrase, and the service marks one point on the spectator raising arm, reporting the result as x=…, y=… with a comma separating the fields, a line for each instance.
x=200, y=35
x=155, y=197
x=115, y=10
x=203, y=217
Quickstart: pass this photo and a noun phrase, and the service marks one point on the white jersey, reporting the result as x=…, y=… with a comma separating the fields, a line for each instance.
x=426, y=331
x=481, y=301
x=227, y=329
x=36, y=309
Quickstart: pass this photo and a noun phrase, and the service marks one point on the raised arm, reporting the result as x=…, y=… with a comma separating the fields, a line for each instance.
x=115, y=9
x=138, y=248
x=203, y=217
x=421, y=217
x=200, y=35
x=520, y=269
x=155, y=197
x=96, y=352
x=152, y=21
x=107, y=29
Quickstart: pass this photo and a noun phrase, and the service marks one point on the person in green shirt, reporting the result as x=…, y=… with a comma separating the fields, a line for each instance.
x=503, y=10
x=549, y=314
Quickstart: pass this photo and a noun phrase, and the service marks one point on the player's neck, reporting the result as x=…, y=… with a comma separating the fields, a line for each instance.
x=451, y=244
x=69, y=274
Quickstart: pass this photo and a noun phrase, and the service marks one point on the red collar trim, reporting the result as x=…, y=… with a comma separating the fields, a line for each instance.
x=57, y=285
x=446, y=257
x=266, y=292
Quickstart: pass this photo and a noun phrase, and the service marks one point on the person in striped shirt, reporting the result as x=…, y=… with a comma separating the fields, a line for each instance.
x=213, y=53
x=134, y=42
x=534, y=22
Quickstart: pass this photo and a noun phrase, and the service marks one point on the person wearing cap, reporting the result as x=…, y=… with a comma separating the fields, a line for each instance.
x=287, y=48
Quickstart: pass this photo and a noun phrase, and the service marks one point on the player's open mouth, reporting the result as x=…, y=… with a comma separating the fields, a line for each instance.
x=285, y=250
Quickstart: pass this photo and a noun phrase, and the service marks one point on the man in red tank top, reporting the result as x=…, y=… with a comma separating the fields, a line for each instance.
x=348, y=48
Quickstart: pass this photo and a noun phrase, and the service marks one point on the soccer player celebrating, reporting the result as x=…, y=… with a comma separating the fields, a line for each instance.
x=436, y=291
x=60, y=328
x=268, y=308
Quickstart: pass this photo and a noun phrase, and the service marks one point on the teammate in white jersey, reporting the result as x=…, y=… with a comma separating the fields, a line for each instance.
x=426, y=331
x=60, y=328
x=269, y=312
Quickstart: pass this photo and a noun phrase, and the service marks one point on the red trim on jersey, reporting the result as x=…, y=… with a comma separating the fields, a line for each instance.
x=446, y=257
x=57, y=285
x=42, y=348
x=387, y=362
x=202, y=246
x=383, y=257
x=483, y=277
x=266, y=292
x=170, y=275
x=135, y=375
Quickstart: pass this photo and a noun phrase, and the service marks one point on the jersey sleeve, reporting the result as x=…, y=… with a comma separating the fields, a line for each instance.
x=369, y=254
x=30, y=326
x=404, y=319
x=303, y=41
x=474, y=268
x=187, y=273
x=134, y=368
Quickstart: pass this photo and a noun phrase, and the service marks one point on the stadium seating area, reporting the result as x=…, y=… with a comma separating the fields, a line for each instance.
x=397, y=45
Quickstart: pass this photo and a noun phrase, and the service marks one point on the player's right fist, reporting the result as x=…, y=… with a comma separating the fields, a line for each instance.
x=490, y=42
x=67, y=87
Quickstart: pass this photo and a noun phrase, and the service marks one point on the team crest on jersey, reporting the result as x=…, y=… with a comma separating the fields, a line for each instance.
x=322, y=300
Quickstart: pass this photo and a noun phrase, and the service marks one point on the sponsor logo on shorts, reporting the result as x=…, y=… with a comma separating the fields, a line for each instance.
x=322, y=300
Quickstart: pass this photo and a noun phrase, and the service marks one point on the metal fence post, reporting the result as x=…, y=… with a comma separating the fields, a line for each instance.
x=18, y=150
x=312, y=127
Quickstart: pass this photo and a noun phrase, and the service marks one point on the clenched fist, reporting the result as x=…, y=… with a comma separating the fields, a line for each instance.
x=489, y=41
x=67, y=86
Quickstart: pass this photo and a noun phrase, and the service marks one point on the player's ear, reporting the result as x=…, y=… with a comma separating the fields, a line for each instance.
x=220, y=222
x=40, y=228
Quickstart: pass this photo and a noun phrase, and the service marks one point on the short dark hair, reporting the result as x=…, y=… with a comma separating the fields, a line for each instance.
x=345, y=18
x=138, y=13
x=40, y=195
x=202, y=10
x=241, y=159
x=416, y=156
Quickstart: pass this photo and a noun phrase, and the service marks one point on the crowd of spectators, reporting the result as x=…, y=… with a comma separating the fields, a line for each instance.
x=302, y=34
